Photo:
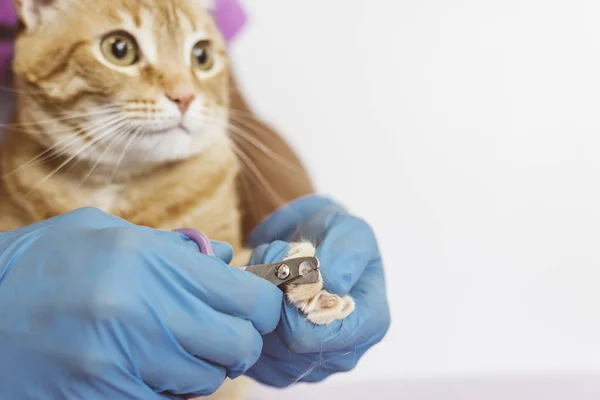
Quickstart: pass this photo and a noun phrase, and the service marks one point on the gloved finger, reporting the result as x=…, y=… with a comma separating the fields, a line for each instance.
x=218, y=338
x=224, y=288
x=334, y=363
x=367, y=324
x=222, y=250
x=280, y=374
x=270, y=253
x=170, y=369
x=227, y=289
x=345, y=251
x=110, y=383
x=169, y=396
x=162, y=360
x=315, y=228
x=275, y=367
x=283, y=223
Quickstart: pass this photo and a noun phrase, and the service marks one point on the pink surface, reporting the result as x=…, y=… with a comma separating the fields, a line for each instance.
x=542, y=388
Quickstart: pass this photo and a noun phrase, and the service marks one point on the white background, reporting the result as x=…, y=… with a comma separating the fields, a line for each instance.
x=468, y=133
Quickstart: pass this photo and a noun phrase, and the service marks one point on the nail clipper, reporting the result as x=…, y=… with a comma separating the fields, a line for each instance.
x=302, y=270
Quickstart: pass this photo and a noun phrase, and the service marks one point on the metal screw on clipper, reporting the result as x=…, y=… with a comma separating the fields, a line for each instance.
x=283, y=271
x=299, y=271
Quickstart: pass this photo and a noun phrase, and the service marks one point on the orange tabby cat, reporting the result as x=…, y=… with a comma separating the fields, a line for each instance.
x=124, y=106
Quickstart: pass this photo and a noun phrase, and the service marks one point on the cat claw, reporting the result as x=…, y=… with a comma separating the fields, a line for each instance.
x=339, y=308
x=319, y=306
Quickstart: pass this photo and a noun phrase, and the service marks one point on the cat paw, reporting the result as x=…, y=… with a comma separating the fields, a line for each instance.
x=319, y=306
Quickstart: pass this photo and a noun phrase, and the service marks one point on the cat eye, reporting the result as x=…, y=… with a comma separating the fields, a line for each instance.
x=202, y=56
x=120, y=48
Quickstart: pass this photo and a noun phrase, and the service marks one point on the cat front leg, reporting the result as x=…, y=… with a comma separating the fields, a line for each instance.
x=319, y=306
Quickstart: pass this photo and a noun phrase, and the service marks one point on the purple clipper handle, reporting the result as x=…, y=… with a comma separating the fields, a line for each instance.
x=200, y=239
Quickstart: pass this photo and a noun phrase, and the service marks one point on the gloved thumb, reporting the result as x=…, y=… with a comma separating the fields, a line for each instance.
x=270, y=253
x=222, y=250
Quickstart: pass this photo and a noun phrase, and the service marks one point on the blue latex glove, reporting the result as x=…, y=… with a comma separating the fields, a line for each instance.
x=92, y=307
x=299, y=351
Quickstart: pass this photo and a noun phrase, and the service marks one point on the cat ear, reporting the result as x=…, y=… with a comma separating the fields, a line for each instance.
x=29, y=11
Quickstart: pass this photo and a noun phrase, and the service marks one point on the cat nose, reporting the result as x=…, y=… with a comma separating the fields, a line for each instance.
x=182, y=99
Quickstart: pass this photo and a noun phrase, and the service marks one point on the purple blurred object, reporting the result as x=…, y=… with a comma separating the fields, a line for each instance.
x=7, y=13
x=7, y=18
x=230, y=17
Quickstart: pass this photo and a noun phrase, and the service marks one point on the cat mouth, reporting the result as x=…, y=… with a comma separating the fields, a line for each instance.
x=178, y=128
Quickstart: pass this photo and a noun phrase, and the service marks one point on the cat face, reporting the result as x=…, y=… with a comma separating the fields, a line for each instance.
x=127, y=81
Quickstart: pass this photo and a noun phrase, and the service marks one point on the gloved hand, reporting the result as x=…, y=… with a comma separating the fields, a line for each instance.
x=299, y=351
x=94, y=307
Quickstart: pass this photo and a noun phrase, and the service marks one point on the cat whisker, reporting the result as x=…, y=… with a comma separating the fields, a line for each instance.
x=62, y=109
x=19, y=91
x=254, y=169
x=66, y=131
x=316, y=364
x=51, y=153
x=251, y=204
x=67, y=161
x=87, y=132
x=44, y=156
x=239, y=116
x=239, y=132
x=248, y=116
x=99, y=112
x=114, y=139
x=125, y=148
x=203, y=116
x=103, y=139
x=245, y=179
